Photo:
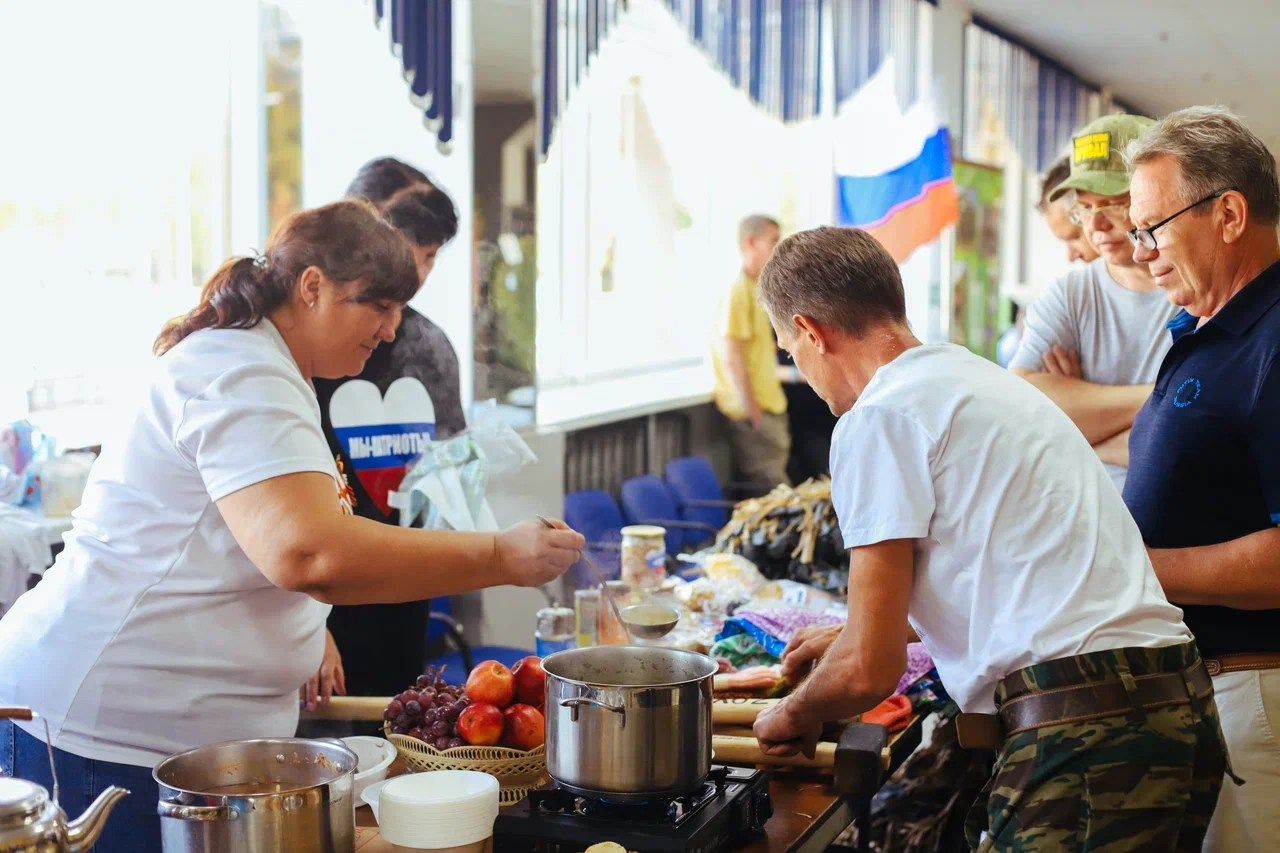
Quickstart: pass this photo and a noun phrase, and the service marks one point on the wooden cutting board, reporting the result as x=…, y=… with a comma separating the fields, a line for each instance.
x=369, y=841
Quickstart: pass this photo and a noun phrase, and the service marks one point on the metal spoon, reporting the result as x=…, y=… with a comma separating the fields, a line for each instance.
x=604, y=590
x=650, y=621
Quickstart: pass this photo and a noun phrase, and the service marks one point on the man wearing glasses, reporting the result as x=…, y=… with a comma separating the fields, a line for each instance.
x=1204, y=482
x=1094, y=339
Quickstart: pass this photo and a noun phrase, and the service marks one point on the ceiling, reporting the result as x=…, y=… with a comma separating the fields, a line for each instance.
x=1156, y=55
x=502, y=31
x=1159, y=55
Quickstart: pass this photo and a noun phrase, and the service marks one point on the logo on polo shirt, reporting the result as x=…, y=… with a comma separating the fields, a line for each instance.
x=382, y=434
x=1187, y=392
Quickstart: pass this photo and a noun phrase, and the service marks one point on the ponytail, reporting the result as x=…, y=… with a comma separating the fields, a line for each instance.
x=237, y=296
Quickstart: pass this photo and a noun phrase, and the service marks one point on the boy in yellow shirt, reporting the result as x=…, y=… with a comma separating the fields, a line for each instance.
x=744, y=355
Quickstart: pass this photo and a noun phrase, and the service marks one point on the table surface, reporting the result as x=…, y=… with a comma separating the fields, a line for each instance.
x=807, y=811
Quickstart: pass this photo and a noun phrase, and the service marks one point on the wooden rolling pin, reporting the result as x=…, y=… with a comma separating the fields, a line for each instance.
x=730, y=712
x=360, y=708
x=15, y=712
x=739, y=712
x=746, y=751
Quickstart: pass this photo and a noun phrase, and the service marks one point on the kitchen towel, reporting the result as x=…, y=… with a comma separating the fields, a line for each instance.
x=893, y=713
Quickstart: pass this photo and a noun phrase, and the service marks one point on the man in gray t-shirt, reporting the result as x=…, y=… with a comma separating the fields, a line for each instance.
x=1118, y=334
x=1094, y=340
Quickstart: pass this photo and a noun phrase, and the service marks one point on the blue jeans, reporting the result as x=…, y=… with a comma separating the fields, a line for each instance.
x=133, y=826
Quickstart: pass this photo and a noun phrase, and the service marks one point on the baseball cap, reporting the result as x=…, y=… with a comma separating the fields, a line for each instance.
x=1097, y=164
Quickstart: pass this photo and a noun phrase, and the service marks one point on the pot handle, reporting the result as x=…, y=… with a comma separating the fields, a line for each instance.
x=181, y=811
x=576, y=703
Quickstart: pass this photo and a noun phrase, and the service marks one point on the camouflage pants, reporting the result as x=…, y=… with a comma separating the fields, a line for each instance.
x=1126, y=784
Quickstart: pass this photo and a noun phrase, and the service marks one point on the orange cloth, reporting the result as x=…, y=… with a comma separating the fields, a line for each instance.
x=893, y=713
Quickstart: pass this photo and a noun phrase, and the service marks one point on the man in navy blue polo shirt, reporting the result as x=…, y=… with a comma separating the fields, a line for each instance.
x=1204, y=467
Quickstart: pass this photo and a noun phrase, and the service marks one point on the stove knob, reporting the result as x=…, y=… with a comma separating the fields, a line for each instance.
x=763, y=808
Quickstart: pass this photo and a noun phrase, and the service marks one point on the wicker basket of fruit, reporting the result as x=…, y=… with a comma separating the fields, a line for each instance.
x=491, y=725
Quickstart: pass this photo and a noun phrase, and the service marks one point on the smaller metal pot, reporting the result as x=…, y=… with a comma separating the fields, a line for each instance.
x=628, y=723
x=251, y=795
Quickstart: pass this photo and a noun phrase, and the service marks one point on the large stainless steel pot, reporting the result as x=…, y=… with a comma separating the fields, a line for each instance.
x=628, y=722
x=258, y=796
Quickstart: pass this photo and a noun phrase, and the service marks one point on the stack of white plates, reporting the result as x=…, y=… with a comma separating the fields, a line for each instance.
x=440, y=810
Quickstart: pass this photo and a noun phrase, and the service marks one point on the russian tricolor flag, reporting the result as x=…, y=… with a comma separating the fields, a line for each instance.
x=893, y=169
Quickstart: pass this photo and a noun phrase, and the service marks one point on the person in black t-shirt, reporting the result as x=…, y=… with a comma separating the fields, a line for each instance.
x=811, y=421
x=377, y=422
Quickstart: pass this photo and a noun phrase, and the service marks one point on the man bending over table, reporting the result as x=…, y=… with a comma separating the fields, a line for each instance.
x=976, y=511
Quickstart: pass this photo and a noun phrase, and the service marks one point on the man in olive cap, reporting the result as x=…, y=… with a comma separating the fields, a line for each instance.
x=1094, y=339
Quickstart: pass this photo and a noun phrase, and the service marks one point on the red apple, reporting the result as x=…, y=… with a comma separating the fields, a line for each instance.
x=531, y=681
x=491, y=682
x=481, y=724
x=523, y=727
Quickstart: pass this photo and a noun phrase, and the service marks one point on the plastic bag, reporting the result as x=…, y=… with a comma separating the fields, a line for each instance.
x=445, y=485
x=733, y=569
x=22, y=449
x=505, y=451
x=787, y=593
x=62, y=482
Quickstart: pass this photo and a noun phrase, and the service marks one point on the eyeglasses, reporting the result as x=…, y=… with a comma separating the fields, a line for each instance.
x=1146, y=237
x=1116, y=213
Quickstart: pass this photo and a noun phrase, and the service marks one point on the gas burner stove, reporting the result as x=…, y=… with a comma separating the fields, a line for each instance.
x=717, y=816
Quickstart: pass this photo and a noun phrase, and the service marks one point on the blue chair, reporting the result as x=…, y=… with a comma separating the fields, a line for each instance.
x=646, y=500
x=595, y=515
x=693, y=483
x=463, y=658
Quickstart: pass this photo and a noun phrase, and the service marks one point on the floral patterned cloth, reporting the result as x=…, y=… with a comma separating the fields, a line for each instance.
x=773, y=628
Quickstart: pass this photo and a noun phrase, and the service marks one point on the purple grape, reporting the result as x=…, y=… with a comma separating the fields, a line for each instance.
x=394, y=709
x=441, y=684
x=440, y=729
x=462, y=698
x=443, y=702
x=410, y=696
x=415, y=732
x=427, y=696
x=455, y=742
x=413, y=709
x=442, y=743
x=429, y=716
x=396, y=728
x=403, y=723
x=423, y=681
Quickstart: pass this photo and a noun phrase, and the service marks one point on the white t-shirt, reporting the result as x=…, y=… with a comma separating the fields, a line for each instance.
x=1118, y=333
x=153, y=633
x=1024, y=551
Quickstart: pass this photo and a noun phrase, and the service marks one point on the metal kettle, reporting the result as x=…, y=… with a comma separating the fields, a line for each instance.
x=31, y=822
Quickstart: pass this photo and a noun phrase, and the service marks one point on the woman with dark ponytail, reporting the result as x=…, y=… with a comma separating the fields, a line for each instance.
x=216, y=531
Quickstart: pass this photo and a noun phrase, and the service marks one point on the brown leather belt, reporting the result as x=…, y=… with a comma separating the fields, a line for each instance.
x=1241, y=662
x=1079, y=703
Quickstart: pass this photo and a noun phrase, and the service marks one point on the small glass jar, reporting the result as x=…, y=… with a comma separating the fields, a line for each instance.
x=611, y=631
x=555, y=630
x=644, y=556
x=586, y=606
